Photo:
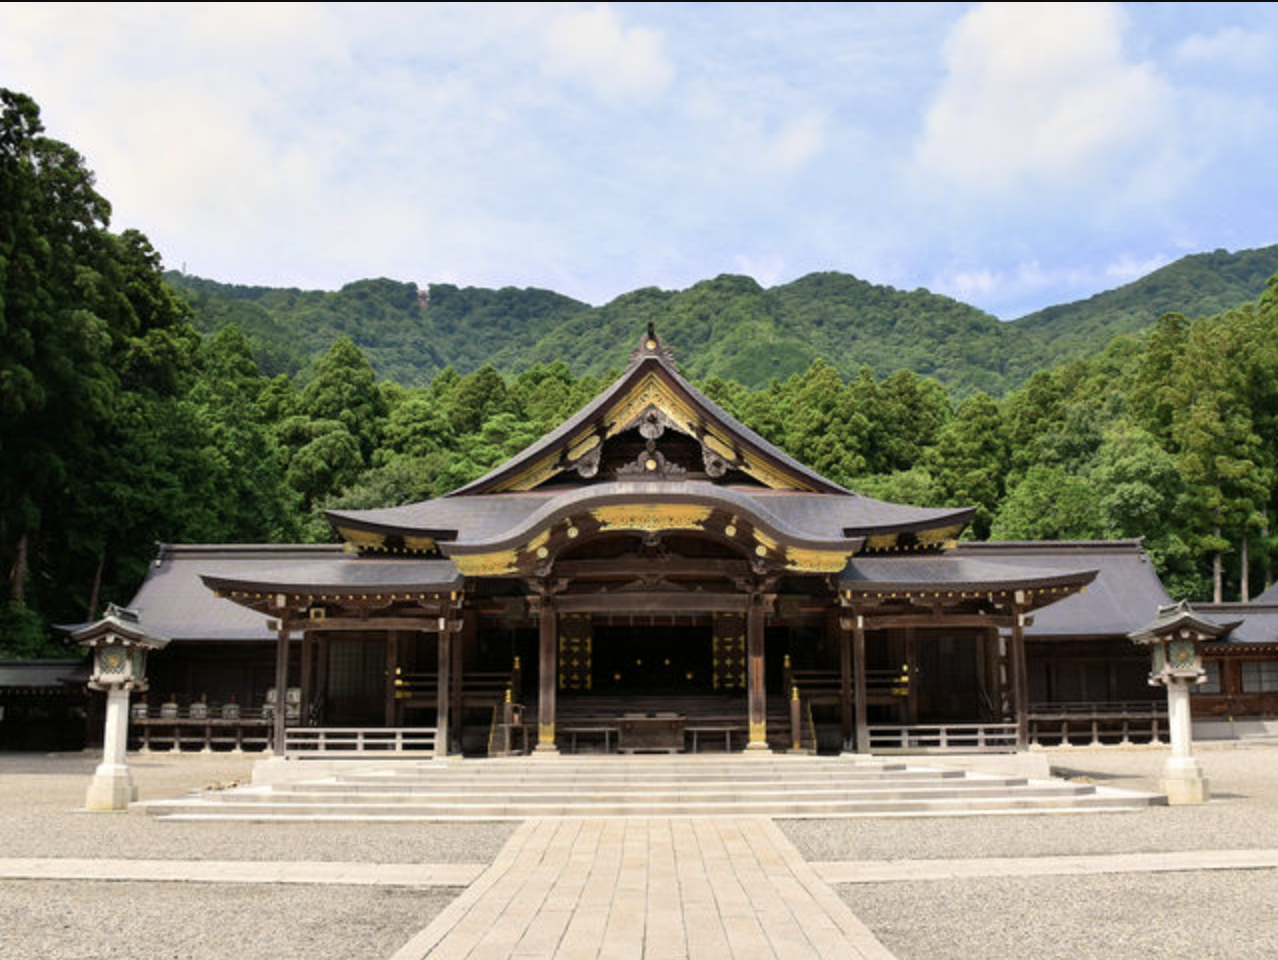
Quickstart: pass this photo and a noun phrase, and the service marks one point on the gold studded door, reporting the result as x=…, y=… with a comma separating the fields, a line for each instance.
x=729, y=651
x=574, y=651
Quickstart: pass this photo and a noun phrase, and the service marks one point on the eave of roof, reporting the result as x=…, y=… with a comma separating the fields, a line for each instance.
x=492, y=517
x=879, y=577
x=349, y=576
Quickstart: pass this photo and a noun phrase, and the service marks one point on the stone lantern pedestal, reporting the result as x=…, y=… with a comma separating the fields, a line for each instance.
x=1176, y=663
x=1183, y=779
x=119, y=646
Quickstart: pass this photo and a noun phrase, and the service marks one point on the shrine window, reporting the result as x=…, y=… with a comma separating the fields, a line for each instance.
x=1260, y=676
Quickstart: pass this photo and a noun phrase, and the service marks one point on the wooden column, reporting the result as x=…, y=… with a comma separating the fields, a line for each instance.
x=756, y=694
x=859, y=685
x=392, y=663
x=465, y=645
x=308, y=688
x=443, y=671
x=547, y=676
x=321, y=676
x=845, y=687
x=911, y=672
x=1020, y=679
x=281, y=691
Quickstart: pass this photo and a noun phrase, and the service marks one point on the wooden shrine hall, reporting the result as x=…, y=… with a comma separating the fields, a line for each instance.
x=650, y=575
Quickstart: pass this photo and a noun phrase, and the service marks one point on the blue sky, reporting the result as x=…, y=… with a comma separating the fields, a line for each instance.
x=1011, y=155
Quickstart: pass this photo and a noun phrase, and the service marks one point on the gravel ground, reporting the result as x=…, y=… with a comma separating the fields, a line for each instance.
x=1227, y=915
x=1231, y=915
x=1213, y=915
x=1243, y=814
x=87, y=920
x=42, y=815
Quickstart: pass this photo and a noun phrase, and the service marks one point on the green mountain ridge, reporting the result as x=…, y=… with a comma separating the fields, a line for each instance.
x=729, y=327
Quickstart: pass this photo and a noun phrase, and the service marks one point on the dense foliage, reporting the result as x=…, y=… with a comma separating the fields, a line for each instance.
x=121, y=424
x=729, y=327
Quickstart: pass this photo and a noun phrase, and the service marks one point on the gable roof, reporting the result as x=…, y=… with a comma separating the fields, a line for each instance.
x=653, y=396
x=651, y=381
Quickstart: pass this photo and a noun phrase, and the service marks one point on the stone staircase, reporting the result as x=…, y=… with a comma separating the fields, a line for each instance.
x=647, y=786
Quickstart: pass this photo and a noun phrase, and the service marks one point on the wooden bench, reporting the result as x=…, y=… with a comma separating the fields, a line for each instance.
x=609, y=730
x=727, y=728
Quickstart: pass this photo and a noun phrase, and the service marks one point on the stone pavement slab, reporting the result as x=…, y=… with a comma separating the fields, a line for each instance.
x=244, y=871
x=904, y=871
x=649, y=889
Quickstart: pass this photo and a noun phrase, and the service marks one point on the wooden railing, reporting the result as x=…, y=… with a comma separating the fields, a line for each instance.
x=943, y=738
x=358, y=742
x=198, y=727
x=1068, y=723
x=825, y=686
x=477, y=688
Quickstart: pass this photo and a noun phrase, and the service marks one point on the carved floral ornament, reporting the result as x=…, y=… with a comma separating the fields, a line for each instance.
x=652, y=406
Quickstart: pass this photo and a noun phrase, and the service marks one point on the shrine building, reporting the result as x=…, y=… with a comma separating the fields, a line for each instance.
x=652, y=575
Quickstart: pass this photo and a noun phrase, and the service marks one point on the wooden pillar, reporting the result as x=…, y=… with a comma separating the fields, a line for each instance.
x=321, y=677
x=911, y=673
x=845, y=687
x=1020, y=679
x=465, y=649
x=308, y=688
x=859, y=685
x=547, y=676
x=392, y=665
x=756, y=694
x=990, y=675
x=281, y=691
x=443, y=671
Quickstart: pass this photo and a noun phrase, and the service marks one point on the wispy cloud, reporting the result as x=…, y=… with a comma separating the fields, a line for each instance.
x=598, y=147
x=1039, y=95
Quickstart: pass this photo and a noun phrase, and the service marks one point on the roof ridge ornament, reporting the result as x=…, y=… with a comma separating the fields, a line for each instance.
x=651, y=346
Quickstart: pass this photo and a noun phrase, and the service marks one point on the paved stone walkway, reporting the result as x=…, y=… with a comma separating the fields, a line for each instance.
x=656, y=889
x=647, y=888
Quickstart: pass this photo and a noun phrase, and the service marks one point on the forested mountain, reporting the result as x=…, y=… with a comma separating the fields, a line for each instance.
x=130, y=414
x=1199, y=285
x=728, y=327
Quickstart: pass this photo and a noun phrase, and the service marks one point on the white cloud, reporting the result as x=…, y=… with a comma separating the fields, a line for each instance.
x=1005, y=289
x=1127, y=267
x=1039, y=94
x=593, y=47
x=797, y=141
x=1229, y=47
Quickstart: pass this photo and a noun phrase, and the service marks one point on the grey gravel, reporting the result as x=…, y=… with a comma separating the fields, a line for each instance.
x=1243, y=814
x=1220, y=915
x=41, y=815
x=87, y=920
x=1229, y=915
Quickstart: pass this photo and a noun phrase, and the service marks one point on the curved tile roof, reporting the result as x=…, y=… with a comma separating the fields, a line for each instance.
x=814, y=516
x=1123, y=598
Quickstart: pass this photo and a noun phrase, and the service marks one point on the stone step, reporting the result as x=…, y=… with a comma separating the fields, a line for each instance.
x=520, y=810
x=610, y=786
x=685, y=789
x=662, y=796
x=427, y=780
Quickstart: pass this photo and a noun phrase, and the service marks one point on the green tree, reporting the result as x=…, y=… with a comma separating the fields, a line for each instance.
x=344, y=388
x=1049, y=504
x=969, y=461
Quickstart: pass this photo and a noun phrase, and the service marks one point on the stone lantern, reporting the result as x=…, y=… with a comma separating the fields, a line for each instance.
x=1176, y=663
x=119, y=646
